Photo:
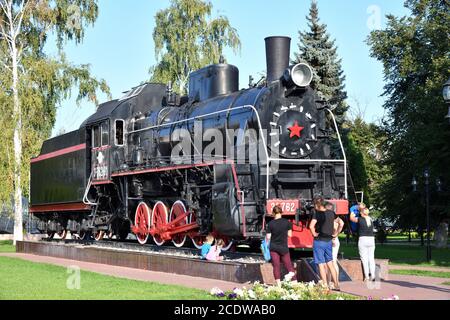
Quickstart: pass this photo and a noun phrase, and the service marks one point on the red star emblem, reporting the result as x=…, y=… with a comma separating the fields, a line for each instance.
x=296, y=130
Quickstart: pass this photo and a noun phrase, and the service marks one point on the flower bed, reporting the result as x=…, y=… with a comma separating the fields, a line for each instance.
x=287, y=291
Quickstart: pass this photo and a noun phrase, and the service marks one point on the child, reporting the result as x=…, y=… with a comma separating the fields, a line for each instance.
x=206, y=247
x=214, y=253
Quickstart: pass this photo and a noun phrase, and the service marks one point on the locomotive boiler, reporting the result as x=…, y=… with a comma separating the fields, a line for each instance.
x=171, y=168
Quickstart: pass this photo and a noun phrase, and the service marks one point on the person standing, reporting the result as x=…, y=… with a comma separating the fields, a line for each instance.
x=366, y=243
x=337, y=229
x=356, y=210
x=322, y=229
x=278, y=232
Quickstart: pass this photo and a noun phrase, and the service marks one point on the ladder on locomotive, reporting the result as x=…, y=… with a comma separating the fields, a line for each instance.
x=249, y=197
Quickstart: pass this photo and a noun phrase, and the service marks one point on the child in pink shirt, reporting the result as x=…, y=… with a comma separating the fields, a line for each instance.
x=214, y=252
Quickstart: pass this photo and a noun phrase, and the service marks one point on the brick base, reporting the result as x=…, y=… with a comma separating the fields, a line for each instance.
x=354, y=269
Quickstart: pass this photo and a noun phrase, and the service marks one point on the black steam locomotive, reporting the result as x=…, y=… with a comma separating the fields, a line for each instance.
x=169, y=168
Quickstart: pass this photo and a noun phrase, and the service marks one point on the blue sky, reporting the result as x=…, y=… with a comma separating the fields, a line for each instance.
x=119, y=47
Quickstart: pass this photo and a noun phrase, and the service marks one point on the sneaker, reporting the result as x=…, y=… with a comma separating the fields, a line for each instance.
x=289, y=276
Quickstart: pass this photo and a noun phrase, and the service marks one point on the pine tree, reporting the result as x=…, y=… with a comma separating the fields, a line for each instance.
x=320, y=52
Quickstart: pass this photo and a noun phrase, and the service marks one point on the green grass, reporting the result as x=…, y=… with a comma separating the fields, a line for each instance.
x=421, y=273
x=7, y=247
x=446, y=283
x=402, y=254
x=23, y=280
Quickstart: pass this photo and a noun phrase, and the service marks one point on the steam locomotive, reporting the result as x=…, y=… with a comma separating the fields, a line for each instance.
x=172, y=168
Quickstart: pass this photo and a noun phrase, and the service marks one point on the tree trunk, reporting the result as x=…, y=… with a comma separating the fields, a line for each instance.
x=17, y=116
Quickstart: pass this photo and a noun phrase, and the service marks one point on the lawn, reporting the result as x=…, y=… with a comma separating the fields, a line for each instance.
x=402, y=254
x=421, y=273
x=23, y=280
x=7, y=247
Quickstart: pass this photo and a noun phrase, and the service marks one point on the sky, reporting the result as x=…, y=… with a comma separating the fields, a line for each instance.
x=119, y=46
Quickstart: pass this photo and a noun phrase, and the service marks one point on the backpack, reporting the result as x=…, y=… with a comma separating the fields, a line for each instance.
x=354, y=226
x=265, y=250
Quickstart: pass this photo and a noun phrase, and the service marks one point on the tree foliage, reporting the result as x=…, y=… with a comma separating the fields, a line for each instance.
x=186, y=39
x=414, y=51
x=365, y=143
x=44, y=81
x=318, y=50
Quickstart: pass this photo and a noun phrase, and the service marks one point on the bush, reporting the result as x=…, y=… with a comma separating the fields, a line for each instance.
x=381, y=235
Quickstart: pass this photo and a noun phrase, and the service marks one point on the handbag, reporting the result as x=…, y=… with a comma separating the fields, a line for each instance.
x=265, y=250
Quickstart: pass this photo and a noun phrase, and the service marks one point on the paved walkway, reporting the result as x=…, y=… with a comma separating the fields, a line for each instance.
x=129, y=273
x=406, y=287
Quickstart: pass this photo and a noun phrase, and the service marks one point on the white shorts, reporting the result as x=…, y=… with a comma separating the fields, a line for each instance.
x=336, y=246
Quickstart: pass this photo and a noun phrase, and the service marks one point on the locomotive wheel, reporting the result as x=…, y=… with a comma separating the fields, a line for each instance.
x=177, y=210
x=99, y=235
x=62, y=234
x=83, y=235
x=123, y=234
x=50, y=235
x=159, y=218
x=197, y=241
x=142, y=220
x=228, y=243
x=110, y=235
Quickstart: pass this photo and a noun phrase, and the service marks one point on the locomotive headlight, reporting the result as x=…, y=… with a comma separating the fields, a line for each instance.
x=300, y=75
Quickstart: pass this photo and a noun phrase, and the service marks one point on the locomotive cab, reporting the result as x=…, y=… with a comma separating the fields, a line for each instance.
x=100, y=149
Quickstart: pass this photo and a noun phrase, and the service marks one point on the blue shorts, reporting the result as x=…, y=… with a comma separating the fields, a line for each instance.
x=323, y=251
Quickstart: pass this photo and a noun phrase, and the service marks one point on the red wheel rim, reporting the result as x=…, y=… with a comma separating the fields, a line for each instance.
x=178, y=209
x=228, y=243
x=50, y=235
x=142, y=220
x=99, y=235
x=62, y=234
x=197, y=241
x=159, y=219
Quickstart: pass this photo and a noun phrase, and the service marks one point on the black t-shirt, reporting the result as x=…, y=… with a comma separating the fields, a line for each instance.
x=364, y=230
x=325, y=224
x=279, y=235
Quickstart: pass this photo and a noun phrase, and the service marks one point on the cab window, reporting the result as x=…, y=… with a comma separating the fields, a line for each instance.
x=105, y=134
x=120, y=133
x=96, y=137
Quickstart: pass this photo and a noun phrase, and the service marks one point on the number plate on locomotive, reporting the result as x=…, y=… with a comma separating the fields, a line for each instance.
x=288, y=206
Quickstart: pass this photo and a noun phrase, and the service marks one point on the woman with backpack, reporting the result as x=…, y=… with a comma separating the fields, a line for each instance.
x=366, y=243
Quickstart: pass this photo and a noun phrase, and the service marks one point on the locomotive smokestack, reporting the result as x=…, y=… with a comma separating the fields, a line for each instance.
x=277, y=54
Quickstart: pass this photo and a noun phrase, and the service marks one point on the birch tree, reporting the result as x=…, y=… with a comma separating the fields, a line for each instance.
x=186, y=39
x=35, y=84
x=10, y=31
